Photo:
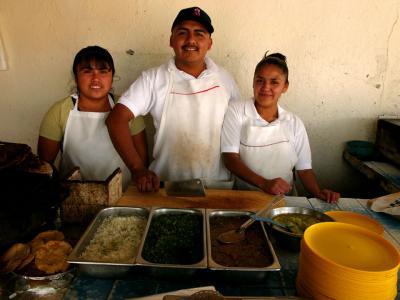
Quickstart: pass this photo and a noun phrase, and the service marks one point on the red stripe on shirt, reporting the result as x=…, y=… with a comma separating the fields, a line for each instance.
x=266, y=145
x=199, y=92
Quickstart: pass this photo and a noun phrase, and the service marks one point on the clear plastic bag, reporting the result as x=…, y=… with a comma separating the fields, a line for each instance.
x=389, y=204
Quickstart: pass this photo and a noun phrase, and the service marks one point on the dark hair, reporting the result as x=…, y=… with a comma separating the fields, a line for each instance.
x=100, y=56
x=276, y=59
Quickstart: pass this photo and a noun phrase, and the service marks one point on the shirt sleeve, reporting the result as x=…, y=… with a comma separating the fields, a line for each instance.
x=138, y=98
x=302, y=146
x=230, y=84
x=137, y=125
x=231, y=128
x=235, y=91
x=54, y=121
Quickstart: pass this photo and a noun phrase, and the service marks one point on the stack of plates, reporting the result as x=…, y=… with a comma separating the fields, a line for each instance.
x=344, y=261
x=361, y=220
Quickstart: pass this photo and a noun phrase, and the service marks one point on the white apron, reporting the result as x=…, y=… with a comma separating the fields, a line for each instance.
x=187, y=144
x=87, y=145
x=267, y=151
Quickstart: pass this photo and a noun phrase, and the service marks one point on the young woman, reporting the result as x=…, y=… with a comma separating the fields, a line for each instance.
x=76, y=124
x=262, y=143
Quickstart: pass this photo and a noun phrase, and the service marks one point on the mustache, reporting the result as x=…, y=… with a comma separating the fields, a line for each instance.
x=190, y=45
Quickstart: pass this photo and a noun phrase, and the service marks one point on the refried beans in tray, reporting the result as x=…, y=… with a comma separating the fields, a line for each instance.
x=253, y=251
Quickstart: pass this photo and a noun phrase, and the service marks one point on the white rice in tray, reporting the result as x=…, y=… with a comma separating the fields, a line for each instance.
x=116, y=240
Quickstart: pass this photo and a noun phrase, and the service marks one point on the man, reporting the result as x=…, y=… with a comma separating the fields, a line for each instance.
x=187, y=97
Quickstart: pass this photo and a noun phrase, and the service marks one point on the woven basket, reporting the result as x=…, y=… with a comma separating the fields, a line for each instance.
x=87, y=198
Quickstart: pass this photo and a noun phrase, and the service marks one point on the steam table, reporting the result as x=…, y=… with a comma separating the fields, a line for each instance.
x=278, y=284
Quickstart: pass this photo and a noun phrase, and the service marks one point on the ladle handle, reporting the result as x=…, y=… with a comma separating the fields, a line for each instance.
x=271, y=221
x=266, y=208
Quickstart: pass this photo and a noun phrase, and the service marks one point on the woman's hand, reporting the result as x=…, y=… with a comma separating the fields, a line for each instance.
x=234, y=163
x=309, y=181
x=276, y=186
x=328, y=195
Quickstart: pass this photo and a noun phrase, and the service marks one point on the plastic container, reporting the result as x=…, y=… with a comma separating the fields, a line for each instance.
x=363, y=150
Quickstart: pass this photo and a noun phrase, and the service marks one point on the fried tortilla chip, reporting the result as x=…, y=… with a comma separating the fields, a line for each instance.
x=13, y=257
x=50, y=235
x=52, y=257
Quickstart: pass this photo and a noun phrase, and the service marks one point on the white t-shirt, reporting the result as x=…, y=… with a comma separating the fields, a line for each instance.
x=148, y=93
x=239, y=111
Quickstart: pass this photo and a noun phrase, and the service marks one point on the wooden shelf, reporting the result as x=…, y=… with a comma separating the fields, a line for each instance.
x=386, y=175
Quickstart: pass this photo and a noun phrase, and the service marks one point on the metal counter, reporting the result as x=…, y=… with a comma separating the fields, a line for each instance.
x=277, y=284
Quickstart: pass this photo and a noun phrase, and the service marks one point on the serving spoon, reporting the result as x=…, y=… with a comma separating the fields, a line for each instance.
x=237, y=235
x=287, y=227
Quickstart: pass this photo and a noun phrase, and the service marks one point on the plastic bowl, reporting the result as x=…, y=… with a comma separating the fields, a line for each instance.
x=363, y=150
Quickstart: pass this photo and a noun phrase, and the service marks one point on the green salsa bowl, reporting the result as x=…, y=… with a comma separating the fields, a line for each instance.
x=298, y=219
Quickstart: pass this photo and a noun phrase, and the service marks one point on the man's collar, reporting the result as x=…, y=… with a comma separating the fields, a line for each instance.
x=211, y=67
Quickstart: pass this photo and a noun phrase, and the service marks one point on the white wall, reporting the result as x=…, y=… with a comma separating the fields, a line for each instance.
x=343, y=57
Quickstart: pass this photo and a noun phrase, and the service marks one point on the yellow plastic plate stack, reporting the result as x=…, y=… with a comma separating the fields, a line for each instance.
x=356, y=219
x=345, y=261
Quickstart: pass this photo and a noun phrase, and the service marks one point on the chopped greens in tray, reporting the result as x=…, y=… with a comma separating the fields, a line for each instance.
x=174, y=239
x=297, y=223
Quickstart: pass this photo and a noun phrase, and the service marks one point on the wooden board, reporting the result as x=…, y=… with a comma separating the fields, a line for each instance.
x=384, y=182
x=223, y=199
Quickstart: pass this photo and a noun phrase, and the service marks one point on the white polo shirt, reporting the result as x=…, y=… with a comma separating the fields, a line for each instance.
x=242, y=113
x=148, y=93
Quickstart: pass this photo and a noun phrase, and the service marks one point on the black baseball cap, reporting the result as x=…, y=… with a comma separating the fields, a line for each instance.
x=194, y=14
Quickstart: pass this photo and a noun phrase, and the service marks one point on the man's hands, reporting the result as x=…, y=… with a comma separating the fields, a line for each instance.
x=146, y=180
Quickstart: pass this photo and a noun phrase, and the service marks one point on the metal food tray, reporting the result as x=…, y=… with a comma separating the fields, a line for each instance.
x=100, y=268
x=233, y=272
x=179, y=297
x=193, y=297
x=175, y=270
